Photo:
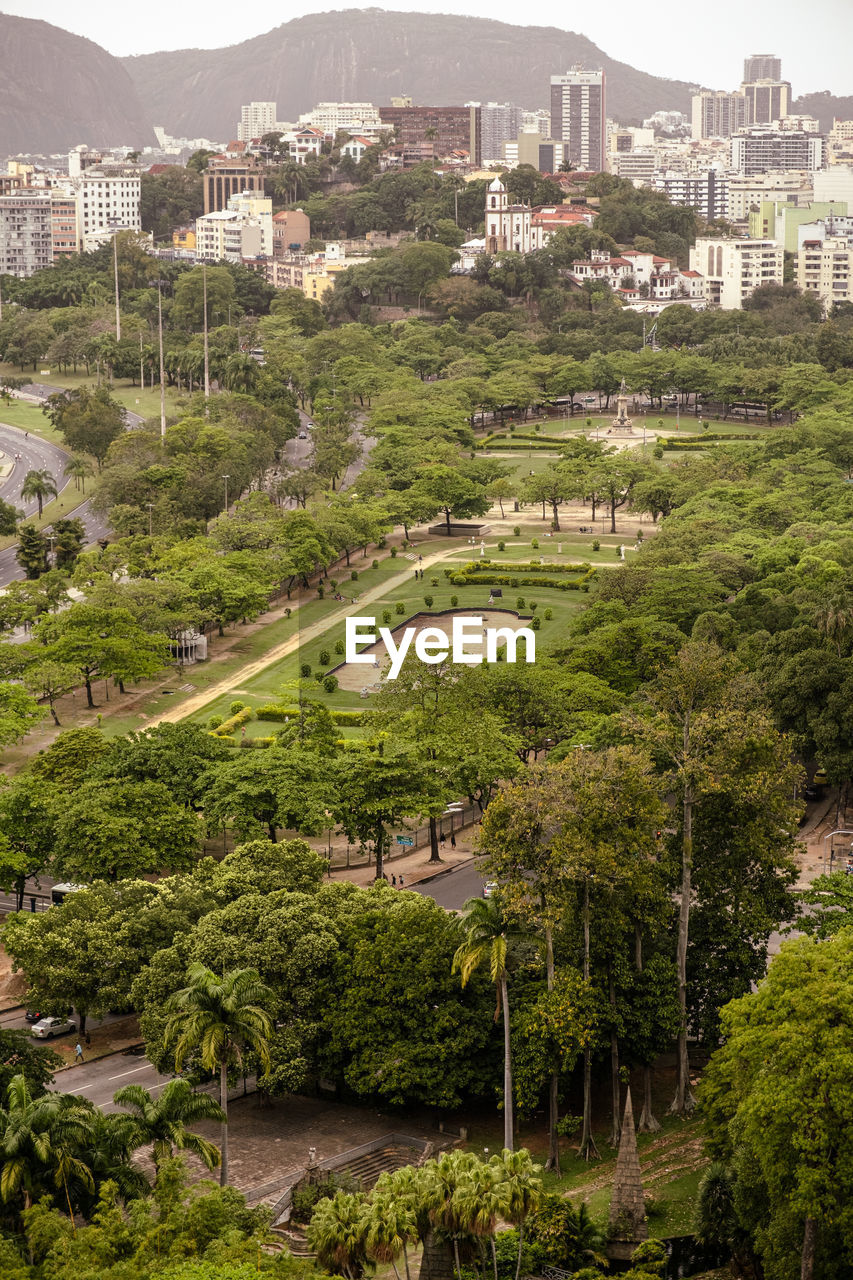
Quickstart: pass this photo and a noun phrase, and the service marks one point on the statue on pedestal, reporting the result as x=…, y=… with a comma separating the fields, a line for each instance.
x=621, y=424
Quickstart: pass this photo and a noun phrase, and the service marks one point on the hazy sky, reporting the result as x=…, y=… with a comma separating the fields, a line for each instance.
x=701, y=42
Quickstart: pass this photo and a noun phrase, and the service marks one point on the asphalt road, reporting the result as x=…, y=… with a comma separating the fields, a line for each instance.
x=99, y=1080
x=453, y=888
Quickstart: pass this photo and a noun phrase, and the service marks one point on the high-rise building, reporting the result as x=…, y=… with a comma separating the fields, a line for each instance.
x=707, y=192
x=26, y=236
x=716, y=114
x=733, y=269
x=445, y=129
x=107, y=202
x=499, y=122
x=579, y=117
x=762, y=150
x=224, y=178
x=256, y=119
x=826, y=268
x=762, y=66
x=766, y=100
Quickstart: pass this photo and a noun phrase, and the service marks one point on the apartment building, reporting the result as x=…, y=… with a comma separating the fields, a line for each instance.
x=350, y=117
x=26, y=232
x=775, y=220
x=707, y=191
x=107, y=201
x=716, y=114
x=291, y=230
x=826, y=268
x=636, y=166
x=443, y=129
x=499, y=123
x=762, y=66
x=226, y=235
x=733, y=269
x=745, y=194
x=835, y=183
x=64, y=225
x=256, y=119
x=755, y=151
x=256, y=210
x=579, y=117
x=766, y=101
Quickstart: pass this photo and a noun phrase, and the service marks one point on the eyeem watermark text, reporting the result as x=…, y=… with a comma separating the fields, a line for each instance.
x=433, y=645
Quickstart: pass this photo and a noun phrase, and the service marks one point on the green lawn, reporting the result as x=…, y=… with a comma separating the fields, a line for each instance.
x=29, y=417
x=145, y=402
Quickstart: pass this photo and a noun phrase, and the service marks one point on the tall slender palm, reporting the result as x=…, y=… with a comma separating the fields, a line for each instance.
x=220, y=1018
x=162, y=1122
x=337, y=1233
x=488, y=936
x=40, y=1141
x=519, y=1189
x=38, y=485
x=79, y=468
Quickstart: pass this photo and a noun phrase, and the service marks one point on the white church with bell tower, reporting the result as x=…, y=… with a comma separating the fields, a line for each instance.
x=509, y=226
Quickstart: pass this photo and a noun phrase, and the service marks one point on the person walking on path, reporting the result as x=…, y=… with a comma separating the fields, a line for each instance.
x=78, y=1053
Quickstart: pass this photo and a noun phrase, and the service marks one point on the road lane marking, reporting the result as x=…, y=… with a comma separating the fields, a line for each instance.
x=148, y=1067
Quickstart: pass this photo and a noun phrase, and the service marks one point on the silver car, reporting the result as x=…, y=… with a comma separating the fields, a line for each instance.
x=47, y=1028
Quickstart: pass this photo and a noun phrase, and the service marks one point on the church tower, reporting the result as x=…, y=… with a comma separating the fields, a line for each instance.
x=496, y=209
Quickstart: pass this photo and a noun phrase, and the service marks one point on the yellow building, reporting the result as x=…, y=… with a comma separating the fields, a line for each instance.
x=183, y=238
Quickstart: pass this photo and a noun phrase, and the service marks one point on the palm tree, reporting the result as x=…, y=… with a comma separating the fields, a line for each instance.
x=337, y=1234
x=488, y=935
x=481, y=1202
x=221, y=1018
x=520, y=1190
x=80, y=468
x=40, y=1139
x=390, y=1227
x=38, y=485
x=163, y=1121
x=443, y=1195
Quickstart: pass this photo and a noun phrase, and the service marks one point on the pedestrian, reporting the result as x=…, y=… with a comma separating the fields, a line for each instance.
x=394, y=881
x=442, y=838
x=88, y=1039
x=453, y=839
x=401, y=879
x=78, y=1052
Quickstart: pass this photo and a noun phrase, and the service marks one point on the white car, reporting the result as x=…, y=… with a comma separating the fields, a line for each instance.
x=47, y=1028
x=489, y=888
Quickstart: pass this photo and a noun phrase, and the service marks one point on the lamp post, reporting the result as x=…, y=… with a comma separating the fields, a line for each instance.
x=162, y=365
x=150, y=506
x=115, y=276
x=226, y=479
x=206, y=348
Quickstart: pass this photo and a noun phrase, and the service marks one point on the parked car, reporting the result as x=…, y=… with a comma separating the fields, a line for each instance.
x=32, y=1016
x=820, y=779
x=47, y=1028
x=490, y=887
x=303, y=435
x=811, y=792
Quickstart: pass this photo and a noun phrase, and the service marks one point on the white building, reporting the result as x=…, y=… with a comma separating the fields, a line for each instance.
x=733, y=269
x=835, y=183
x=256, y=119
x=760, y=150
x=352, y=117
x=107, y=202
x=826, y=268
x=716, y=114
x=227, y=236
x=635, y=275
x=746, y=194
x=707, y=191
x=499, y=123
x=256, y=209
x=26, y=233
x=636, y=166
x=579, y=117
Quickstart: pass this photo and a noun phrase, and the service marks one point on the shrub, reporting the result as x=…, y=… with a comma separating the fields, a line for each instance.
x=535, y=544
x=433, y=582
x=517, y=530
x=288, y=611
x=400, y=608
x=340, y=647
x=640, y=535
x=513, y=582
x=501, y=545
x=235, y=707
x=548, y=615
x=330, y=684
x=533, y=606
x=393, y=553
x=333, y=583
x=535, y=624
x=321, y=590
x=305, y=670
x=214, y=722
x=375, y=564
x=386, y=616
x=354, y=576
x=454, y=600
x=519, y=604
x=382, y=543
x=596, y=544
x=428, y=601
x=324, y=658
x=657, y=452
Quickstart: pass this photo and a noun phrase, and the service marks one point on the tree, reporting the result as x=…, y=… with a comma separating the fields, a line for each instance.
x=375, y=792
x=116, y=829
x=70, y=538
x=102, y=641
x=220, y=1019
x=519, y=1190
x=163, y=1122
x=50, y=681
x=27, y=832
x=175, y=755
x=81, y=469
x=38, y=485
x=36, y=1138
x=779, y=1112
x=552, y=487
x=455, y=494
x=32, y=551
x=488, y=937
x=338, y=1234
x=89, y=420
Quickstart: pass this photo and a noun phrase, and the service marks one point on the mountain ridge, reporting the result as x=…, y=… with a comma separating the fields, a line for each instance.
x=371, y=54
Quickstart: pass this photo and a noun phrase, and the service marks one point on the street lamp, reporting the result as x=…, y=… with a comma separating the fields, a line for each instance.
x=150, y=506
x=226, y=479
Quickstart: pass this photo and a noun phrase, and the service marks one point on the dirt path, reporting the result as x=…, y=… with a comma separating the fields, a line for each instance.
x=304, y=635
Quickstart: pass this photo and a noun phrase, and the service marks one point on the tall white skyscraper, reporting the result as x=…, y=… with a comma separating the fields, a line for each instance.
x=578, y=117
x=256, y=119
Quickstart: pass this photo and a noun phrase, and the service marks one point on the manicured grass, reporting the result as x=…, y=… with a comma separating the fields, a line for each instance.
x=576, y=548
x=145, y=402
x=29, y=417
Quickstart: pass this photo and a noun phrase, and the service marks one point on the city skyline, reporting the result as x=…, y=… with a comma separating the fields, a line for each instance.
x=714, y=59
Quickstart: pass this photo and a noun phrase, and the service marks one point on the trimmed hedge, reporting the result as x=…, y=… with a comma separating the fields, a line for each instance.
x=522, y=435
x=523, y=566
x=695, y=440
x=521, y=580
x=271, y=711
x=529, y=444
x=233, y=722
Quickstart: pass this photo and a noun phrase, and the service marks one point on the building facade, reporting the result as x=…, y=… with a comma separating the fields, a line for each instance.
x=762, y=66
x=227, y=235
x=445, y=129
x=826, y=268
x=734, y=269
x=224, y=178
x=256, y=119
x=579, y=117
x=707, y=191
x=64, y=225
x=499, y=122
x=291, y=231
x=352, y=117
x=716, y=114
x=107, y=201
x=26, y=232
x=756, y=151
x=766, y=101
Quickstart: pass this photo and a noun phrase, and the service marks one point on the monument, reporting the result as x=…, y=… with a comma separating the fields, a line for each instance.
x=621, y=424
x=627, y=1225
